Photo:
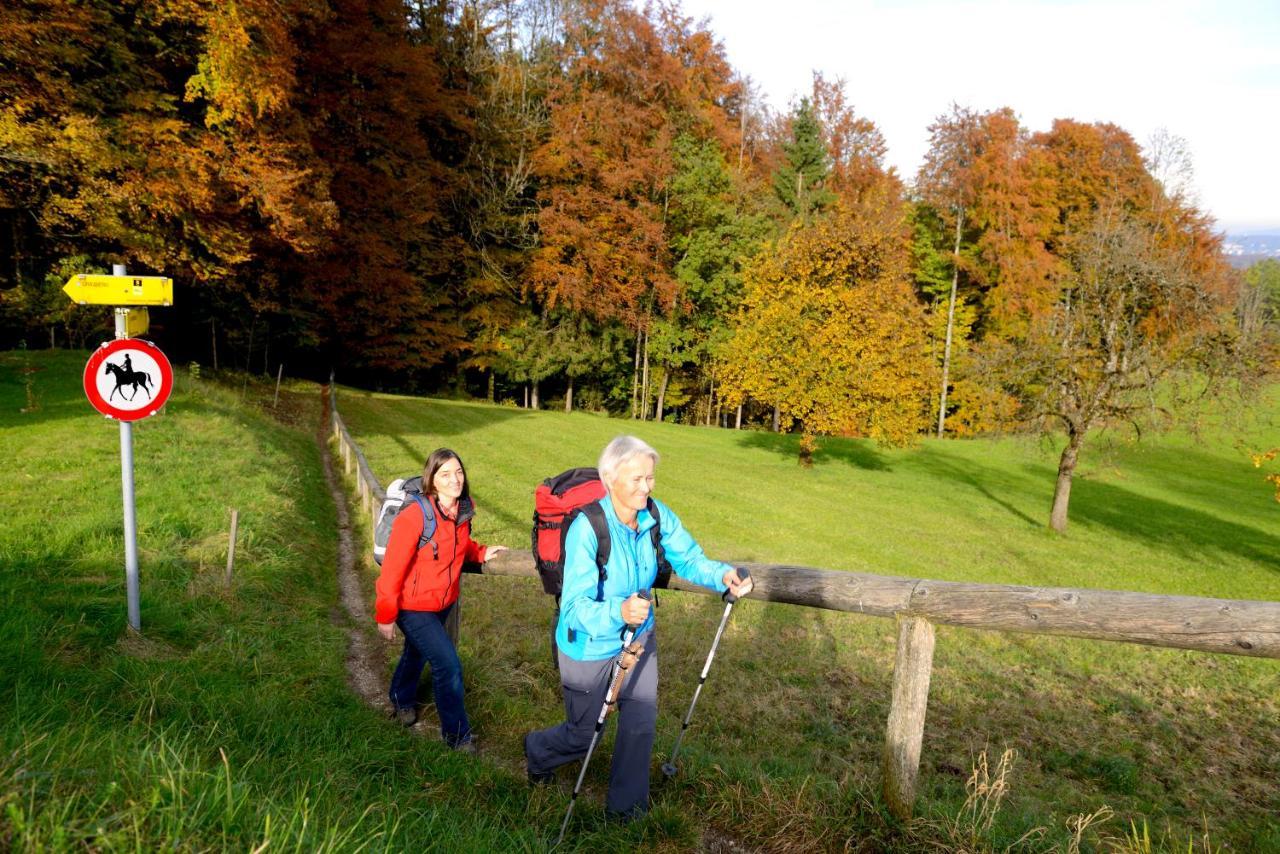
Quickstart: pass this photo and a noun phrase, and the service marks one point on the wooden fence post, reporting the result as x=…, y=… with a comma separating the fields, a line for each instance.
x=911, y=671
x=231, y=546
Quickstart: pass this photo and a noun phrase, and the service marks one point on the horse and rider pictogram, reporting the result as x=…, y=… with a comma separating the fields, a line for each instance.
x=125, y=375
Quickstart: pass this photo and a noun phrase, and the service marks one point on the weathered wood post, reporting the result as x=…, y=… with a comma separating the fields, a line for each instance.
x=905, y=731
x=231, y=546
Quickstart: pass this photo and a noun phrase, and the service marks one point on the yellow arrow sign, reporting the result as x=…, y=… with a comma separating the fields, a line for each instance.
x=119, y=290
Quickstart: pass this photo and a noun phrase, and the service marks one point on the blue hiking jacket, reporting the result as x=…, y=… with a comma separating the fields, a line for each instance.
x=597, y=625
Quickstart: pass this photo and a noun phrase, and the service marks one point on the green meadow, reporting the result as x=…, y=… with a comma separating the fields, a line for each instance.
x=786, y=741
x=228, y=724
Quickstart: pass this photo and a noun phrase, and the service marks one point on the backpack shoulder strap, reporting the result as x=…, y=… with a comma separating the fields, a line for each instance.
x=604, y=544
x=428, y=524
x=664, y=566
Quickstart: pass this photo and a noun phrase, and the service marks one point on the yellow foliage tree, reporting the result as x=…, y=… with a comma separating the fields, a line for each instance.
x=1266, y=457
x=830, y=329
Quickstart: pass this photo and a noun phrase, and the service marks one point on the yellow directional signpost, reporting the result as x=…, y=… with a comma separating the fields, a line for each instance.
x=92, y=289
x=136, y=322
x=122, y=290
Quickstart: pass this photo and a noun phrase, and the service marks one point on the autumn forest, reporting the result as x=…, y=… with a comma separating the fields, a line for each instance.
x=582, y=204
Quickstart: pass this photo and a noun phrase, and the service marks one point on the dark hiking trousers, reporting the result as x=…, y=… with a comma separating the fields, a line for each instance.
x=426, y=640
x=583, y=684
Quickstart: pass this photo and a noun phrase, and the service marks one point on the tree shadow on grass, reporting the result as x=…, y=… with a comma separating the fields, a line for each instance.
x=369, y=414
x=987, y=482
x=858, y=453
x=1187, y=532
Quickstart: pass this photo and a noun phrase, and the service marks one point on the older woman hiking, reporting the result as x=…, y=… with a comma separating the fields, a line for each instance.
x=595, y=616
x=419, y=587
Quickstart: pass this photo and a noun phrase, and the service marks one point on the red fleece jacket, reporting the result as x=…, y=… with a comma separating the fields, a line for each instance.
x=416, y=579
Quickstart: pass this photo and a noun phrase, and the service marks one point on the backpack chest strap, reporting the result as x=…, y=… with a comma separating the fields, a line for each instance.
x=428, y=525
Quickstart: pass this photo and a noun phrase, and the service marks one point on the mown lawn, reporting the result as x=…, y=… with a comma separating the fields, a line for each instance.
x=784, y=750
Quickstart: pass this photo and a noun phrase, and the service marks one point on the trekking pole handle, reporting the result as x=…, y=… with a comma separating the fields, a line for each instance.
x=645, y=595
x=743, y=575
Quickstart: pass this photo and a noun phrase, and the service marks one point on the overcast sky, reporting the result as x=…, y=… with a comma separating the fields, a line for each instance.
x=1207, y=72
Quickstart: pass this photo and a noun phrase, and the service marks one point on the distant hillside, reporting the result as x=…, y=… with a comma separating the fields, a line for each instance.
x=1243, y=250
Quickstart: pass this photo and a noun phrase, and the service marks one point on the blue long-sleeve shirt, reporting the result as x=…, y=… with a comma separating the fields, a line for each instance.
x=597, y=626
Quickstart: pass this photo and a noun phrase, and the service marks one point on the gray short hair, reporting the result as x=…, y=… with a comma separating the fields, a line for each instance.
x=618, y=452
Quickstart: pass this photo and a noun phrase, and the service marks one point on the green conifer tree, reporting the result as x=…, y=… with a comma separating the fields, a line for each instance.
x=800, y=182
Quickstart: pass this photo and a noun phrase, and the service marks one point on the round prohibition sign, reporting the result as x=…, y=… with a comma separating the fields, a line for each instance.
x=128, y=379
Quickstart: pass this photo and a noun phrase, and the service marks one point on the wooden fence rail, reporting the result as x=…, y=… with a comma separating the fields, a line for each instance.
x=1234, y=627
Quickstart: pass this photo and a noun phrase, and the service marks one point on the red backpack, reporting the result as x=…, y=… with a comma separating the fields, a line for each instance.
x=556, y=503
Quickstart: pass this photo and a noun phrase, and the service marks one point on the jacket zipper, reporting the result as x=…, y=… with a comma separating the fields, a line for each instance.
x=452, y=560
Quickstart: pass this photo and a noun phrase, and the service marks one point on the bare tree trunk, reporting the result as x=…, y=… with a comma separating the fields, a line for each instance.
x=737, y=422
x=1066, y=469
x=742, y=135
x=491, y=384
x=711, y=399
x=534, y=396
x=568, y=396
x=248, y=359
x=635, y=380
x=526, y=395
x=777, y=419
x=53, y=341
x=662, y=393
x=213, y=334
x=808, y=444
x=951, y=317
x=644, y=385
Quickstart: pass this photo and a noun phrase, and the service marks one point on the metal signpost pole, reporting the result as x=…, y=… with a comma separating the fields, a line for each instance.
x=126, y=475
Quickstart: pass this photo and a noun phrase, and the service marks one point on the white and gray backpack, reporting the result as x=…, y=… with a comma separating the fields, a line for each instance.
x=400, y=494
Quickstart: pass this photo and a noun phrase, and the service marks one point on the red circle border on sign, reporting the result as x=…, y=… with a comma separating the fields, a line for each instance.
x=100, y=355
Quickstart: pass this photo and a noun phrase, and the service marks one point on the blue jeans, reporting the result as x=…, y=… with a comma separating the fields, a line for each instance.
x=427, y=641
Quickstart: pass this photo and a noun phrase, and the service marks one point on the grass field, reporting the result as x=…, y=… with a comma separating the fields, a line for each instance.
x=785, y=747
x=229, y=725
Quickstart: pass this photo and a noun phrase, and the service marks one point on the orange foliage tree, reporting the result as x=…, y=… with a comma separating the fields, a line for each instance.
x=831, y=330
x=974, y=181
x=604, y=167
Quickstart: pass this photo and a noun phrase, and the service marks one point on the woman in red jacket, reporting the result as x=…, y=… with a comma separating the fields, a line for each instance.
x=418, y=588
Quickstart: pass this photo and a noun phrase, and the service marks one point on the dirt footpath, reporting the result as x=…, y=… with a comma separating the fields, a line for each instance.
x=366, y=662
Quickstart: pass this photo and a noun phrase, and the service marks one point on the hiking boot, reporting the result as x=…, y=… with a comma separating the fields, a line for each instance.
x=469, y=747
x=536, y=779
x=407, y=717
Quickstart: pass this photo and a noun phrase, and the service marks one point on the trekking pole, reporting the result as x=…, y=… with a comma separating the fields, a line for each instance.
x=669, y=767
x=604, y=711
